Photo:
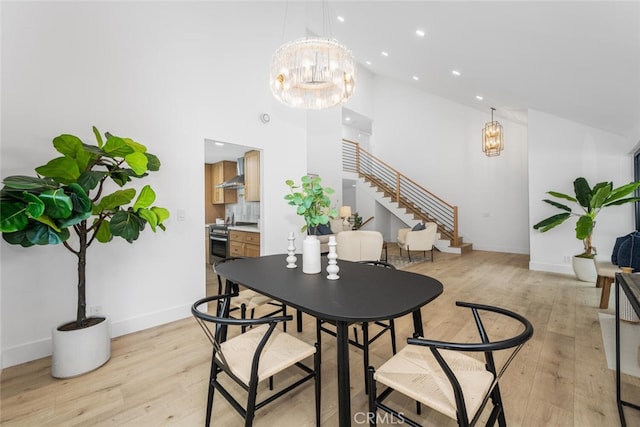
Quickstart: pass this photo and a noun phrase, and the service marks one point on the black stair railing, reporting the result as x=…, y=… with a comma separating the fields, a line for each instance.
x=407, y=193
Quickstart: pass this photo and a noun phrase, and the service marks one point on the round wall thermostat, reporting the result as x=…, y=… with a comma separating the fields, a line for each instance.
x=265, y=118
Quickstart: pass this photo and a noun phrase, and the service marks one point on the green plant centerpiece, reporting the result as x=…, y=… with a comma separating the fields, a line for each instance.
x=590, y=202
x=311, y=201
x=68, y=196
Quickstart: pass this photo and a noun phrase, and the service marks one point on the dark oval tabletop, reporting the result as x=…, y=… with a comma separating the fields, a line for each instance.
x=362, y=293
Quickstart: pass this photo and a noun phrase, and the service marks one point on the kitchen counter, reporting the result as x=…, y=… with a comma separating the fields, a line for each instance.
x=249, y=228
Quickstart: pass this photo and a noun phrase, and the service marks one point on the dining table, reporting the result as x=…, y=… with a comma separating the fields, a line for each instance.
x=362, y=293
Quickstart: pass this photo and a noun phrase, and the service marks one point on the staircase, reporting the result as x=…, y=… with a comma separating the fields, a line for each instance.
x=403, y=197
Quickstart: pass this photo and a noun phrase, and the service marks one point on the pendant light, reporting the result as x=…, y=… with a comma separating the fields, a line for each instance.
x=492, y=137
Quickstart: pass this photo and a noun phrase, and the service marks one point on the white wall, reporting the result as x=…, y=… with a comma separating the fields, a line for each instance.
x=168, y=75
x=559, y=152
x=436, y=143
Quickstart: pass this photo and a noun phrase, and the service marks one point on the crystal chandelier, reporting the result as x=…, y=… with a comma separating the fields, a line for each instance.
x=492, y=137
x=312, y=73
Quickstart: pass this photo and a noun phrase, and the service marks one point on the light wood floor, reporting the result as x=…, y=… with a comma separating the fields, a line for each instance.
x=159, y=376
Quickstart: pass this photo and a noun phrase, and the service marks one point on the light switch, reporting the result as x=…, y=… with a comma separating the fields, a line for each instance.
x=181, y=215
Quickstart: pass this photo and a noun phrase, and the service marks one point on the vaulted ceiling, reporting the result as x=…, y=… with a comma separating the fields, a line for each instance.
x=579, y=60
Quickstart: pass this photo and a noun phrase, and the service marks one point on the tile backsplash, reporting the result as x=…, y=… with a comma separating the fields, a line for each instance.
x=243, y=211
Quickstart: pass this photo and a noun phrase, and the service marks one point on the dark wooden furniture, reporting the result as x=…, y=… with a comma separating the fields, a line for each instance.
x=630, y=285
x=364, y=293
x=251, y=360
x=429, y=370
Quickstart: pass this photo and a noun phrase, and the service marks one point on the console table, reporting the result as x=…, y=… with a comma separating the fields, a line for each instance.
x=630, y=285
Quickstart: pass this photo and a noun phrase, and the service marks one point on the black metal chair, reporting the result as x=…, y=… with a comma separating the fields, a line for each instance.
x=438, y=374
x=252, y=357
x=248, y=299
x=386, y=326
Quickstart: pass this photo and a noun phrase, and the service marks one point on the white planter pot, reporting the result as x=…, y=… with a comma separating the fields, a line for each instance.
x=311, y=255
x=80, y=351
x=585, y=269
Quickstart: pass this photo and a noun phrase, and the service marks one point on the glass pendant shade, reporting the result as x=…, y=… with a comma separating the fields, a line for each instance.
x=492, y=137
x=312, y=73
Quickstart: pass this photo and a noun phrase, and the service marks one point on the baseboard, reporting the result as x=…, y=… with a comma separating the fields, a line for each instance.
x=42, y=348
x=551, y=268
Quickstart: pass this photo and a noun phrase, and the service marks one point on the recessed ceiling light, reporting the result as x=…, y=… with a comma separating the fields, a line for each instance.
x=456, y=72
x=479, y=97
x=383, y=53
x=420, y=33
x=367, y=62
x=340, y=18
x=415, y=78
x=219, y=144
x=348, y=119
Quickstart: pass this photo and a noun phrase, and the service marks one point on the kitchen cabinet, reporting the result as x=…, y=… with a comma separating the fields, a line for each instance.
x=244, y=243
x=223, y=171
x=252, y=176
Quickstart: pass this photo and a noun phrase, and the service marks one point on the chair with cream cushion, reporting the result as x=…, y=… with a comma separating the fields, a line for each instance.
x=337, y=226
x=443, y=377
x=359, y=245
x=250, y=358
x=420, y=240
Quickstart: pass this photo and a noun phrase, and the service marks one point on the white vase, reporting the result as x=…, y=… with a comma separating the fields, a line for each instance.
x=311, y=255
x=80, y=351
x=585, y=269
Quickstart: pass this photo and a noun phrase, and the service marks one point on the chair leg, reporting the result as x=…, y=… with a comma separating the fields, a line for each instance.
x=371, y=389
x=251, y=403
x=498, y=409
x=213, y=375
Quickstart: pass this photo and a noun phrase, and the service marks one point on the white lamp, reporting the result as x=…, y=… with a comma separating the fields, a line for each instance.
x=345, y=212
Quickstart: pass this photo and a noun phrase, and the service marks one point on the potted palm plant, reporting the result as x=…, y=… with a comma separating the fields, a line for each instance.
x=313, y=204
x=590, y=201
x=70, y=197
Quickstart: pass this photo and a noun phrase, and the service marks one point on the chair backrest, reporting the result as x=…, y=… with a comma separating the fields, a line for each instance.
x=422, y=240
x=487, y=346
x=359, y=245
x=217, y=332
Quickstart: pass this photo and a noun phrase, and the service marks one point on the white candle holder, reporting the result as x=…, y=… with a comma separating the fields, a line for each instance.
x=332, y=268
x=291, y=251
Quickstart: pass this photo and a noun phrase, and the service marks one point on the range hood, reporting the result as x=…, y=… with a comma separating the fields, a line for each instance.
x=238, y=180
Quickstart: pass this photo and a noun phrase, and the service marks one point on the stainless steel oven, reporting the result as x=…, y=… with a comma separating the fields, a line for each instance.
x=218, y=242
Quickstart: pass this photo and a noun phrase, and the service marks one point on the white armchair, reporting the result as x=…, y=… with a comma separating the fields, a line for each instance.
x=420, y=240
x=359, y=245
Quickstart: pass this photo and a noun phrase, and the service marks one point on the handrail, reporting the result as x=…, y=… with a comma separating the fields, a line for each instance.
x=402, y=189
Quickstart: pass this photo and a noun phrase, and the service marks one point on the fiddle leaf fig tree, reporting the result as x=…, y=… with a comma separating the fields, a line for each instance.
x=311, y=202
x=68, y=197
x=590, y=202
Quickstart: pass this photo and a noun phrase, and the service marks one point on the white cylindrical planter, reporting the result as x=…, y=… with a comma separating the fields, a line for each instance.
x=80, y=351
x=585, y=269
x=311, y=255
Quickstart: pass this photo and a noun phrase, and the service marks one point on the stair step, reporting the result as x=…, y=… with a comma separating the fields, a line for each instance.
x=465, y=248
